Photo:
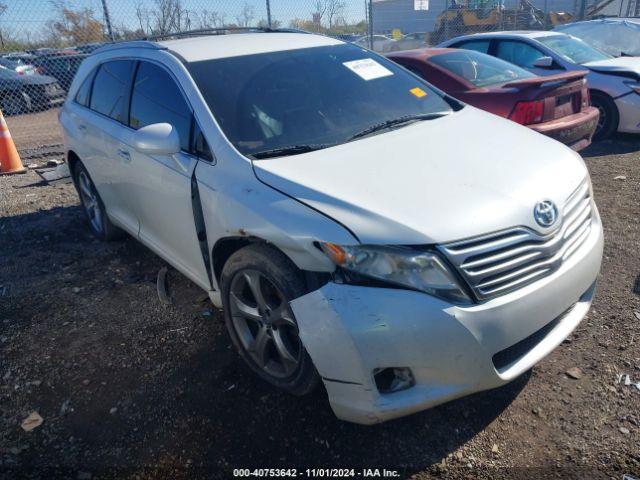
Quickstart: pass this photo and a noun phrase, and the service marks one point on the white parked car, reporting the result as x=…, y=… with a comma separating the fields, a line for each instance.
x=614, y=83
x=358, y=227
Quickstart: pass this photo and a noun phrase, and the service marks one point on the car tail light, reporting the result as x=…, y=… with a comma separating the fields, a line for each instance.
x=526, y=113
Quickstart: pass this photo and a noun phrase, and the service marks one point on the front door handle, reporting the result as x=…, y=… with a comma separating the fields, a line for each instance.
x=124, y=155
x=82, y=128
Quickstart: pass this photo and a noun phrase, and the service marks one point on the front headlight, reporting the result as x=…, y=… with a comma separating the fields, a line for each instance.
x=401, y=266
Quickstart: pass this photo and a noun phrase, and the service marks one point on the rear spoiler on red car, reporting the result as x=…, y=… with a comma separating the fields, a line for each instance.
x=548, y=81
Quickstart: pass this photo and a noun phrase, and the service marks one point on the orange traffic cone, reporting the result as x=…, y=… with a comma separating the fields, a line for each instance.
x=9, y=159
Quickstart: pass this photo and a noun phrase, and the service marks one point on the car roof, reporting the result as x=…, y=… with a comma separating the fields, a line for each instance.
x=208, y=47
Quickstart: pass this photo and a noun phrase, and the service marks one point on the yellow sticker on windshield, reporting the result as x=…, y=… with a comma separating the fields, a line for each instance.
x=418, y=92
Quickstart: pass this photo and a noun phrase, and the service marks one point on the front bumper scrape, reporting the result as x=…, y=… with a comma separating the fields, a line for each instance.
x=349, y=331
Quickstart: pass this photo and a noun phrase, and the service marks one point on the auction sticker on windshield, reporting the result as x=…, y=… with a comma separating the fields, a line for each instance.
x=368, y=69
x=418, y=92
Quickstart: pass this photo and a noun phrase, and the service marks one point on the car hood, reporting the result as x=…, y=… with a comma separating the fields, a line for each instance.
x=21, y=80
x=455, y=177
x=616, y=65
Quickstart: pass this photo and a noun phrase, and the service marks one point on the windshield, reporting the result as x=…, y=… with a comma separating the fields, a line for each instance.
x=572, y=49
x=479, y=69
x=619, y=38
x=315, y=96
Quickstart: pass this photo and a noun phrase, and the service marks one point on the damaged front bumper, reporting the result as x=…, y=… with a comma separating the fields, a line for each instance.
x=452, y=351
x=629, y=107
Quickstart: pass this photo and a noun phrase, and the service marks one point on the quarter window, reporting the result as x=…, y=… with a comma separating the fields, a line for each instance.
x=110, y=87
x=200, y=146
x=84, y=92
x=157, y=99
x=518, y=53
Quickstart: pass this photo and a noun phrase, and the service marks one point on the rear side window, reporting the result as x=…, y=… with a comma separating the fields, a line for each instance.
x=157, y=99
x=481, y=46
x=110, y=88
x=84, y=92
x=518, y=53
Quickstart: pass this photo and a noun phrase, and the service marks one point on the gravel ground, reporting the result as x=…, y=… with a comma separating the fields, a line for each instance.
x=34, y=129
x=130, y=388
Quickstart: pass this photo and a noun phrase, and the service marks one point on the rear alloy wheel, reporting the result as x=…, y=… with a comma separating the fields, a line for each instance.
x=609, y=116
x=93, y=207
x=257, y=284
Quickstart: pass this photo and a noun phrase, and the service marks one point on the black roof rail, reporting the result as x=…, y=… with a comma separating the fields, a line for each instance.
x=219, y=31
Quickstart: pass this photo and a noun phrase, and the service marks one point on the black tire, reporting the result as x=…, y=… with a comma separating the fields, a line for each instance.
x=609, y=116
x=275, y=271
x=93, y=206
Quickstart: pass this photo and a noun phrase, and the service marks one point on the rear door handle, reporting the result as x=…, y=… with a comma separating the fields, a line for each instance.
x=82, y=128
x=124, y=155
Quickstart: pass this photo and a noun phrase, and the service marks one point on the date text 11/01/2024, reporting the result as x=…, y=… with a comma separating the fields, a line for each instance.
x=316, y=472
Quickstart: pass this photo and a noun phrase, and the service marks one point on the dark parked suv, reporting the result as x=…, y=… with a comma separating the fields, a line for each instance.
x=61, y=66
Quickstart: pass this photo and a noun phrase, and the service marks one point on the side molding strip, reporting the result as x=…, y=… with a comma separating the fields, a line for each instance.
x=201, y=230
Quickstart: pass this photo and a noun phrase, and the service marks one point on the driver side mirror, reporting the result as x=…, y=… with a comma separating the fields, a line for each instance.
x=544, y=62
x=157, y=139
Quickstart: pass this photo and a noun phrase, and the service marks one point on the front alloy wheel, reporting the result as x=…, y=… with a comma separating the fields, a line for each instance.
x=264, y=323
x=257, y=283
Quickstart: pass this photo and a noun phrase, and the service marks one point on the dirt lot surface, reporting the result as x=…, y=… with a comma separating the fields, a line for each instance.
x=128, y=387
x=35, y=129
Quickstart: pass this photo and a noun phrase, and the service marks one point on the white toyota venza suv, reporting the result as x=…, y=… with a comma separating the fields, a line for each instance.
x=358, y=227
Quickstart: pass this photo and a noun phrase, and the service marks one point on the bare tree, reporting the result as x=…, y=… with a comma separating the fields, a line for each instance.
x=246, y=15
x=335, y=9
x=319, y=12
x=265, y=24
x=143, y=15
x=170, y=16
x=210, y=19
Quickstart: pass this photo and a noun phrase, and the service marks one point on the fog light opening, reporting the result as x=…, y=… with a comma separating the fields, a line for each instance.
x=393, y=379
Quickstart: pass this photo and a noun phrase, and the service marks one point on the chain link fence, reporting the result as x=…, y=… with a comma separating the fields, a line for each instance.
x=43, y=42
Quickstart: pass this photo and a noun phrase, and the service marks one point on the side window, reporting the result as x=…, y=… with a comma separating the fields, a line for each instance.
x=200, y=147
x=519, y=53
x=157, y=99
x=481, y=46
x=110, y=88
x=84, y=92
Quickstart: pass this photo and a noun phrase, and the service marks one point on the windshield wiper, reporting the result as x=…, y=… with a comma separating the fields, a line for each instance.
x=396, y=122
x=290, y=150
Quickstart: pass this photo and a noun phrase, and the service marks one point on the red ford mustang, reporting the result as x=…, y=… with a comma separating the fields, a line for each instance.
x=556, y=105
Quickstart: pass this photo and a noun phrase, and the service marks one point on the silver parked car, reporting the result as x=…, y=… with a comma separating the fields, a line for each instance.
x=321, y=194
x=410, y=41
x=614, y=83
x=381, y=43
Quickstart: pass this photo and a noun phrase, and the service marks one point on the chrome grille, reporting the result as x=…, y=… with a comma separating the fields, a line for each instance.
x=504, y=261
